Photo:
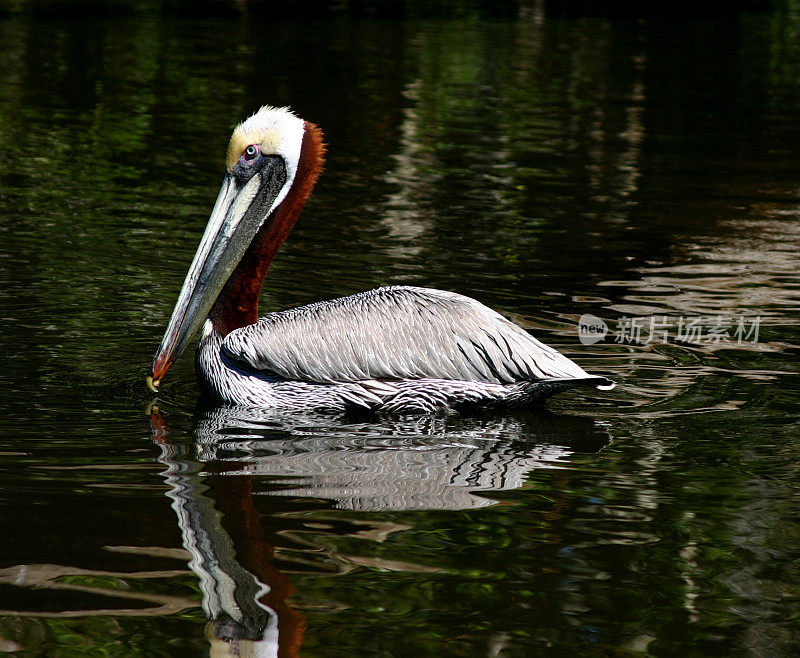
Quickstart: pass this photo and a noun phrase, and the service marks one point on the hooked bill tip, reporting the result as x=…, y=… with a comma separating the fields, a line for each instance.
x=152, y=385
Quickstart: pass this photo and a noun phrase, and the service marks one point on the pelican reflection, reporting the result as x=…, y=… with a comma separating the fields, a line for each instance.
x=252, y=486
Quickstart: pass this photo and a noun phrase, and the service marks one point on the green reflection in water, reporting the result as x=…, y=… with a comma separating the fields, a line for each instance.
x=549, y=167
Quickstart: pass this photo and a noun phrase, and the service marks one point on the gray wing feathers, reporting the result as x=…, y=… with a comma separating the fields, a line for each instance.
x=397, y=332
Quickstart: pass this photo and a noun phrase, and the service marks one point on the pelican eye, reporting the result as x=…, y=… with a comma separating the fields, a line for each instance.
x=250, y=153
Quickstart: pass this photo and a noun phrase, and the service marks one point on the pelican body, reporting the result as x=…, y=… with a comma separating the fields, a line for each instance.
x=397, y=348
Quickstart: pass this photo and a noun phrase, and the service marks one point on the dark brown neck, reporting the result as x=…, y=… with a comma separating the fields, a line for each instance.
x=237, y=304
x=233, y=498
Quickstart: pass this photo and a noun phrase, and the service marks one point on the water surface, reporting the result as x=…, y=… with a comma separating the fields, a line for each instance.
x=551, y=167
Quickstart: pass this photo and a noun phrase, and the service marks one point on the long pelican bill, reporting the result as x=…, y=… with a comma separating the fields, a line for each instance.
x=239, y=212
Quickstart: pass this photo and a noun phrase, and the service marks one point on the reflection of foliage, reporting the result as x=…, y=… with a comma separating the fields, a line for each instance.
x=130, y=599
x=523, y=158
x=279, y=8
x=99, y=636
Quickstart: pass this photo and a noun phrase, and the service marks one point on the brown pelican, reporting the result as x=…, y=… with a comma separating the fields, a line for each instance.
x=397, y=348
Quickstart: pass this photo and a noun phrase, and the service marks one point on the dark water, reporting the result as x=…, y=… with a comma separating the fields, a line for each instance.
x=644, y=172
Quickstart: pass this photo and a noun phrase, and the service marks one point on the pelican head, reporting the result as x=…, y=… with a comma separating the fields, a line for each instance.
x=273, y=161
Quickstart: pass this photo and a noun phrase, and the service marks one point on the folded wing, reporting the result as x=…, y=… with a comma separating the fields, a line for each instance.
x=396, y=332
